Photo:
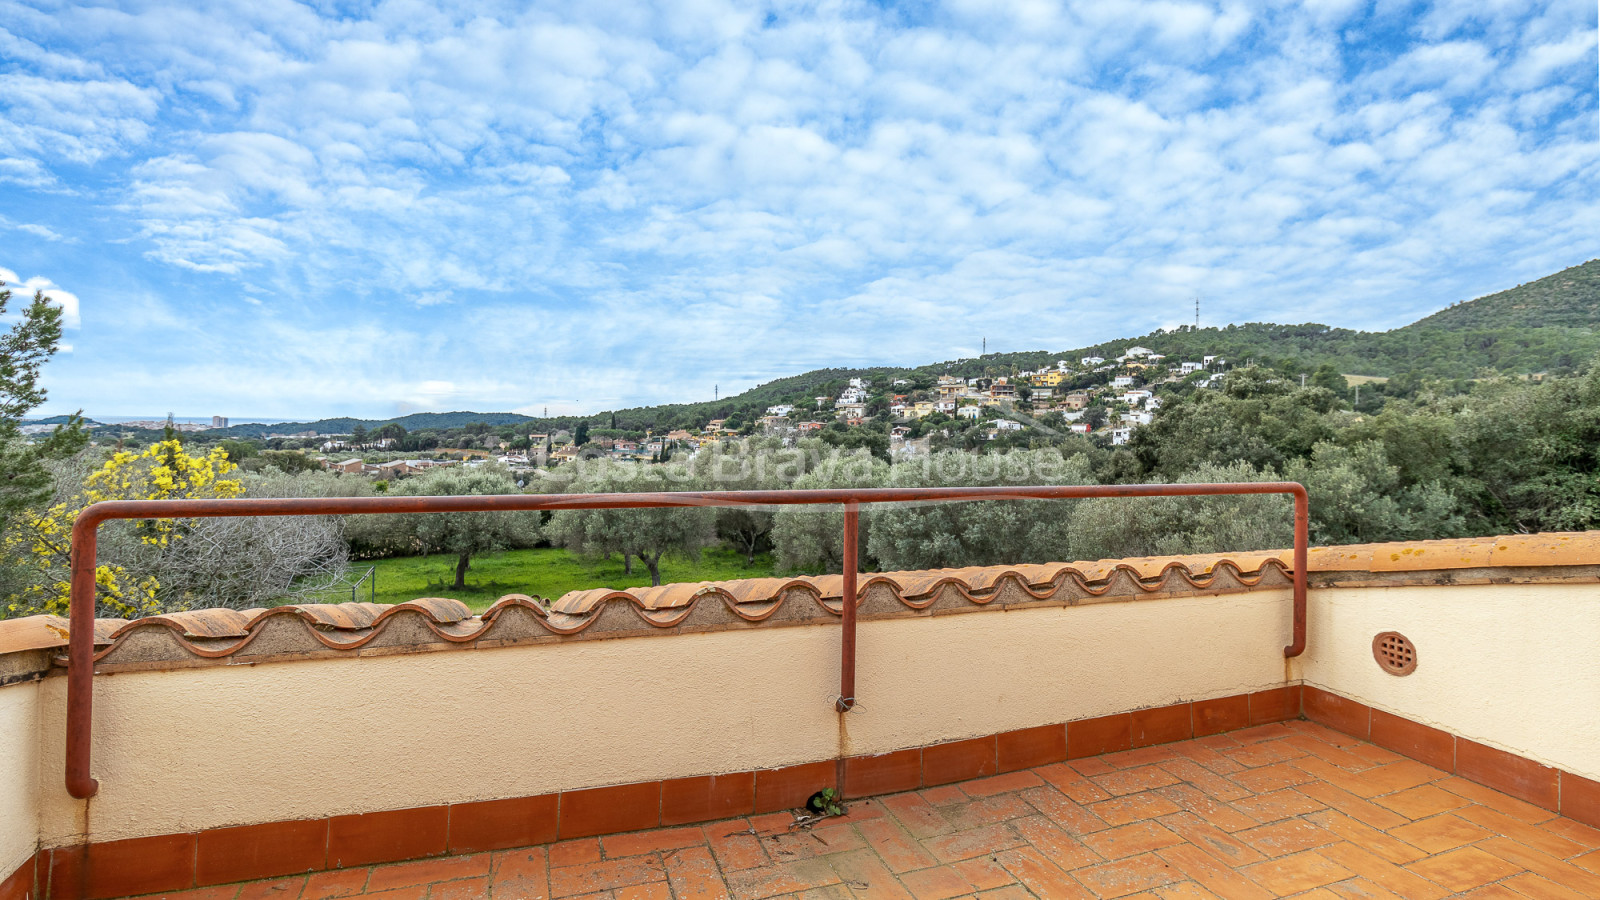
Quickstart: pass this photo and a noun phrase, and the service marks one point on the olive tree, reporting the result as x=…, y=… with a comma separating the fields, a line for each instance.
x=464, y=534
x=648, y=534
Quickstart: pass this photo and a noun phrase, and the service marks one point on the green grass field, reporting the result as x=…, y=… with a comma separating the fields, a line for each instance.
x=544, y=572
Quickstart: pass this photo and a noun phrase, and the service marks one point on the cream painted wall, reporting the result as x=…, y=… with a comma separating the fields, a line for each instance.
x=202, y=748
x=1512, y=666
x=922, y=681
x=19, y=775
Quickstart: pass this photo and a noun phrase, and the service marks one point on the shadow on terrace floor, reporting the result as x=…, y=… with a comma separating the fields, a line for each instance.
x=1288, y=810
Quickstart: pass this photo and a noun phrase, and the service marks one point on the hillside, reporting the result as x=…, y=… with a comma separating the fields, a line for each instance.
x=1550, y=324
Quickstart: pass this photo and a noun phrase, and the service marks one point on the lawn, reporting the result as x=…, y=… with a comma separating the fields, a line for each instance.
x=544, y=572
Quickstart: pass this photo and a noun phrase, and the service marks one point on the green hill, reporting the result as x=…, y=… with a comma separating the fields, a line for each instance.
x=1552, y=324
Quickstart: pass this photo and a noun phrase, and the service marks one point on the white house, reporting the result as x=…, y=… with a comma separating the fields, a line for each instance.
x=1207, y=361
x=1079, y=427
x=1137, y=352
x=1093, y=360
x=1190, y=368
x=1137, y=418
x=970, y=412
x=1134, y=398
x=782, y=409
x=1121, y=434
x=1122, y=381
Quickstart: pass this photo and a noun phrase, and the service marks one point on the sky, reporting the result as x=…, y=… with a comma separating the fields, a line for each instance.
x=274, y=209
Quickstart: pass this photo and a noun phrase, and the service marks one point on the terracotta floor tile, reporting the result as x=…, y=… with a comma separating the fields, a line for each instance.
x=1131, y=840
x=734, y=846
x=1071, y=782
x=522, y=873
x=657, y=890
x=1277, y=805
x=1589, y=861
x=1041, y=876
x=782, y=878
x=1505, y=803
x=1360, y=889
x=572, y=853
x=983, y=872
x=987, y=811
x=865, y=875
x=1399, y=776
x=616, y=846
x=899, y=851
x=1493, y=892
x=1381, y=872
x=331, y=885
x=1559, y=871
x=692, y=872
x=1128, y=876
x=1143, y=756
x=916, y=815
x=1000, y=784
x=463, y=889
x=1133, y=781
x=1264, y=753
x=1009, y=892
x=937, y=883
x=1300, y=872
x=415, y=892
x=1056, y=845
x=804, y=843
x=1422, y=802
x=1214, y=811
x=1133, y=808
x=1063, y=810
x=1463, y=869
x=1540, y=888
x=427, y=871
x=1211, y=783
x=1390, y=848
x=1184, y=890
x=1536, y=836
x=1275, y=777
x=1091, y=766
x=976, y=842
x=1363, y=811
x=1439, y=833
x=1286, y=837
x=1220, y=879
x=1227, y=848
x=1577, y=832
x=571, y=881
x=944, y=794
x=276, y=889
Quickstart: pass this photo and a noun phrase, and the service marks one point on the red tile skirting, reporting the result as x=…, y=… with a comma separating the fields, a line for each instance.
x=388, y=836
x=123, y=868
x=19, y=885
x=886, y=773
x=1106, y=734
x=708, y=797
x=609, y=810
x=248, y=852
x=175, y=862
x=1031, y=747
x=503, y=824
x=1570, y=795
x=1219, y=715
x=958, y=761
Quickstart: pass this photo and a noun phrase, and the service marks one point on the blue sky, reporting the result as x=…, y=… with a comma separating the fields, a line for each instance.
x=273, y=209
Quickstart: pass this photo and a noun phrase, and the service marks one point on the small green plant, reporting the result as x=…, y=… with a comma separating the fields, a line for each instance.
x=825, y=802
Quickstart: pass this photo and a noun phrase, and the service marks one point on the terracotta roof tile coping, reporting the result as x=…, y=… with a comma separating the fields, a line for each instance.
x=214, y=633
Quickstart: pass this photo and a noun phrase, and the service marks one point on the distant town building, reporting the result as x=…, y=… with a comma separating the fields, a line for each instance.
x=219, y=421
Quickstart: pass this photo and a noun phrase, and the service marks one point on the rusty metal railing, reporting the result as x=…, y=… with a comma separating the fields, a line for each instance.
x=80, y=643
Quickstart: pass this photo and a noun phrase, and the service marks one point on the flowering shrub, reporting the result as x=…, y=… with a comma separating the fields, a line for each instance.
x=162, y=471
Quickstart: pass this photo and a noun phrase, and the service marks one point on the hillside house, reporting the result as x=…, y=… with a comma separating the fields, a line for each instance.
x=1122, y=381
x=1092, y=360
x=970, y=412
x=780, y=410
x=809, y=427
x=349, y=466
x=1076, y=400
x=1079, y=428
x=1189, y=368
x=1136, y=397
x=1121, y=434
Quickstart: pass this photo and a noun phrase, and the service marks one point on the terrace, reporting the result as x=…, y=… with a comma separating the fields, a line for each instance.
x=1101, y=729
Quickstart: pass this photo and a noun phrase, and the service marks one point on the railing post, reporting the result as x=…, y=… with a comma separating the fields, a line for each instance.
x=1302, y=537
x=80, y=660
x=847, y=640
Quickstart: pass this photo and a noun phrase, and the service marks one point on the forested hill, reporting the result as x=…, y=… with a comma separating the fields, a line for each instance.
x=1549, y=325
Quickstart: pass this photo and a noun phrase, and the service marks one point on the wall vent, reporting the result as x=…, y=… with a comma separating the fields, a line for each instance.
x=1395, y=653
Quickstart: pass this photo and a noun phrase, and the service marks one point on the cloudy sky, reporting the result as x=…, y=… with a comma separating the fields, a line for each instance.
x=266, y=208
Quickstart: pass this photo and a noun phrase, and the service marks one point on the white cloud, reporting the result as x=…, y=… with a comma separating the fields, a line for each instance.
x=620, y=204
x=25, y=288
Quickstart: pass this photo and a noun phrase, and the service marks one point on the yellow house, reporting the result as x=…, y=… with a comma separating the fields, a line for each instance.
x=1049, y=379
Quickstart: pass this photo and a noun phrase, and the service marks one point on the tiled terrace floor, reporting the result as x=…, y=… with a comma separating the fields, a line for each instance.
x=1290, y=810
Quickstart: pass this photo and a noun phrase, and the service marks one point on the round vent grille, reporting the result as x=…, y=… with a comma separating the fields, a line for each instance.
x=1395, y=653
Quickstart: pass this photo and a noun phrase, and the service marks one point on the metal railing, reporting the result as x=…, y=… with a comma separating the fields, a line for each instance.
x=80, y=642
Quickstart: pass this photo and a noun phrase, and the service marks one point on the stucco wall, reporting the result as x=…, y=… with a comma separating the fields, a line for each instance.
x=19, y=775
x=1512, y=666
x=201, y=748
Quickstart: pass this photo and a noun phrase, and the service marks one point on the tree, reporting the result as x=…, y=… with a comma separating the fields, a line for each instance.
x=466, y=533
x=741, y=467
x=128, y=585
x=358, y=434
x=580, y=436
x=811, y=538
x=648, y=534
x=24, y=349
